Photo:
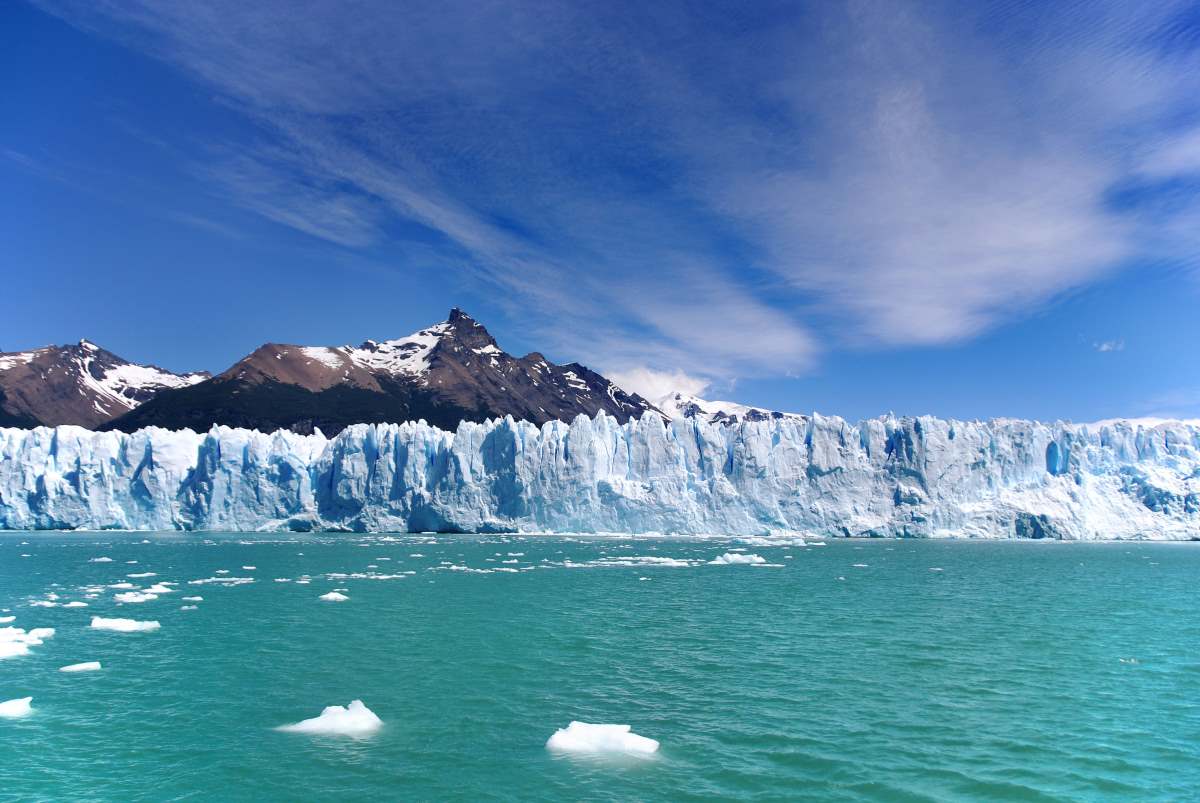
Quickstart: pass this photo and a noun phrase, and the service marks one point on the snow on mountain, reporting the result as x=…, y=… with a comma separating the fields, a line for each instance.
x=405, y=356
x=922, y=477
x=682, y=405
x=79, y=384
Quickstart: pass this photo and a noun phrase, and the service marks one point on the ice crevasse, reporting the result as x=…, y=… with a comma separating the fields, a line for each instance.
x=888, y=476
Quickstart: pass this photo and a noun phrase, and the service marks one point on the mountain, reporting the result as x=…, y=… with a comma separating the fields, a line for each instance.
x=683, y=405
x=81, y=384
x=450, y=372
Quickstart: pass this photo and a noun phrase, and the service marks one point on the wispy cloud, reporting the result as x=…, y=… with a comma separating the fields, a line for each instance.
x=1106, y=346
x=700, y=195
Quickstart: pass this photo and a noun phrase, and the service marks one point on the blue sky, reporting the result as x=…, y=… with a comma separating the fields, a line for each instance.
x=965, y=209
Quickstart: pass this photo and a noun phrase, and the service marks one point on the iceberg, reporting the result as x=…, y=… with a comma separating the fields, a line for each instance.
x=86, y=666
x=736, y=558
x=811, y=476
x=122, y=625
x=19, y=707
x=584, y=737
x=352, y=720
x=15, y=641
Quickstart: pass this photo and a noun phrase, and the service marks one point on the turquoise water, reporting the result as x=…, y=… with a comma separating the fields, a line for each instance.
x=1019, y=671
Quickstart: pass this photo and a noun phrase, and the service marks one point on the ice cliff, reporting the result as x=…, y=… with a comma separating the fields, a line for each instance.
x=813, y=475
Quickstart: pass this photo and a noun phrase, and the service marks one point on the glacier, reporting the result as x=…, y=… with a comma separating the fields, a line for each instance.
x=807, y=475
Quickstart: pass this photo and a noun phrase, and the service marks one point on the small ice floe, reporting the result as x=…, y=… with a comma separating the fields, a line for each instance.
x=188, y=608
x=283, y=579
x=352, y=720
x=139, y=575
x=75, y=604
x=16, y=641
x=43, y=603
x=736, y=559
x=134, y=597
x=6, y=619
x=19, y=707
x=130, y=562
x=86, y=666
x=101, y=559
x=192, y=599
x=935, y=568
x=123, y=625
x=1130, y=661
x=584, y=737
x=334, y=596
x=224, y=581
x=222, y=571
x=122, y=585
x=249, y=568
x=859, y=566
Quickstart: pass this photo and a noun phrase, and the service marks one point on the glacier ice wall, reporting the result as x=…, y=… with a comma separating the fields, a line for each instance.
x=818, y=475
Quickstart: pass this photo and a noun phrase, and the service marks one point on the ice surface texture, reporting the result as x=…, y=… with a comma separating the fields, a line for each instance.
x=812, y=475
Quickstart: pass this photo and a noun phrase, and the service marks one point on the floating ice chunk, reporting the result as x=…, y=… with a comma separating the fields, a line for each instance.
x=86, y=666
x=75, y=604
x=122, y=585
x=225, y=581
x=6, y=619
x=187, y=607
x=736, y=559
x=222, y=571
x=43, y=603
x=584, y=737
x=19, y=707
x=859, y=566
x=192, y=599
x=333, y=596
x=352, y=720
x=15, y=641
x=101, y=559
x=133, y=597
x=935, y=568
x=123, y=625
x=137, y=575
x=249, y=568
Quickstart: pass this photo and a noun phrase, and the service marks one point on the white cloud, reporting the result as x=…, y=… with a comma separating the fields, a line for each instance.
x=1109, y=345
x=654, y=385
x=1176, y=156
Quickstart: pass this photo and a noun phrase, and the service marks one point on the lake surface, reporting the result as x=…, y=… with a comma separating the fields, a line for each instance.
x=878, y=670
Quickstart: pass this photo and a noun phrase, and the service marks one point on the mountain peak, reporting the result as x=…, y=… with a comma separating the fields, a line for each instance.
x=469, y=332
